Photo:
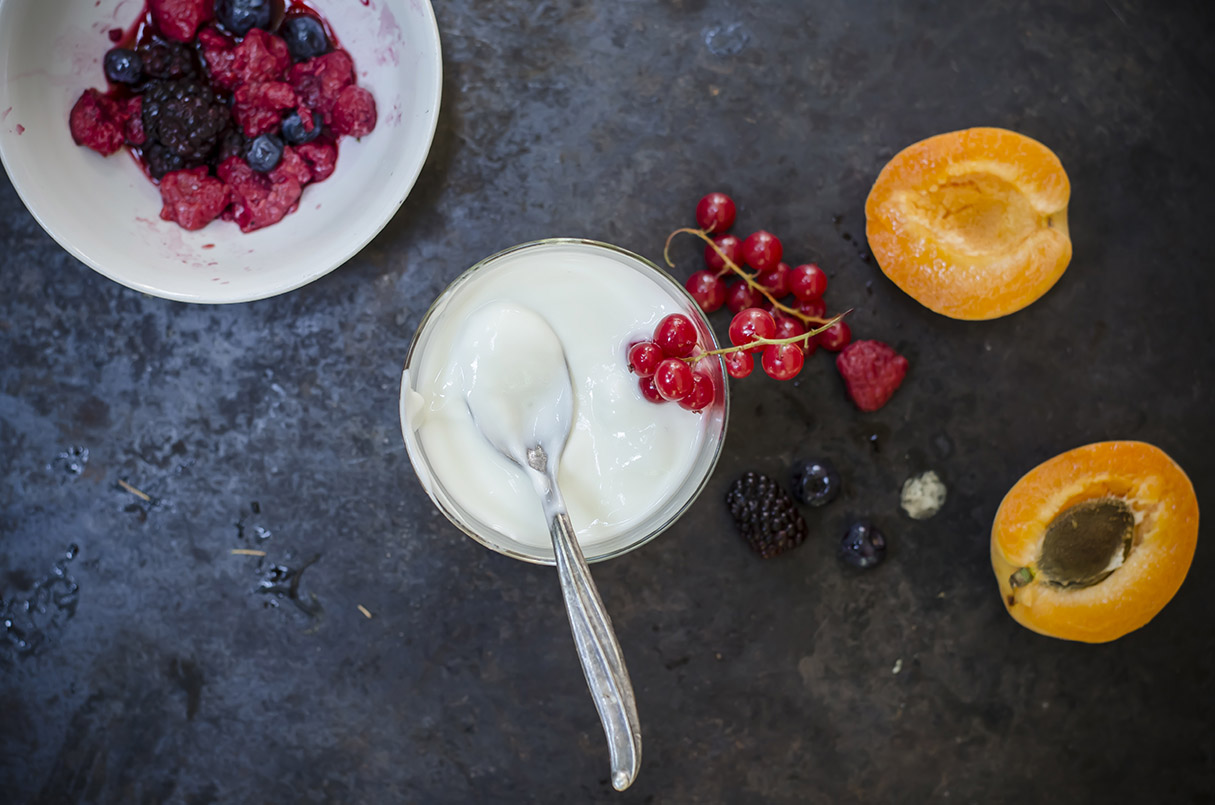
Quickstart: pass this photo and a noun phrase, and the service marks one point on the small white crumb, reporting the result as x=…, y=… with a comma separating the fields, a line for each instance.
x=923, y=495
x=365, y=611
x=898, y=666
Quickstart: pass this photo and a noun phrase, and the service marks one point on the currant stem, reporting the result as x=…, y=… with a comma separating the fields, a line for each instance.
x=764, y=342
x=746, y=276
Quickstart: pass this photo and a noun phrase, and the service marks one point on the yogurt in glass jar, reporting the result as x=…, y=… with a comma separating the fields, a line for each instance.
x=630, y=466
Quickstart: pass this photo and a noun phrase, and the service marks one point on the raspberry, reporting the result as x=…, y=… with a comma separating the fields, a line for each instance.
x=186, y=119
x=260, y=56
x=192, y=198
x=292, y=166
x=872, y=372
x=179, y=19
x=133, y=131
x=354, y=112
x=765, y=515
x=98, y=122
x=261, y=199
x=320, y=157
x=258, y=106
x=320, y=81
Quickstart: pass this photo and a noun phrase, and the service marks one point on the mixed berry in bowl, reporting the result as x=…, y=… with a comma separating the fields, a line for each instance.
x=231, y=106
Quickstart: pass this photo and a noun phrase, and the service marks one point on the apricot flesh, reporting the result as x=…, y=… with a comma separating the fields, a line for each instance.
x=972, y=224
x=1123, y=520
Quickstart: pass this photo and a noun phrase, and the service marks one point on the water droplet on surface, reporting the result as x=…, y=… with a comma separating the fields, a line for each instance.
x=726, y=40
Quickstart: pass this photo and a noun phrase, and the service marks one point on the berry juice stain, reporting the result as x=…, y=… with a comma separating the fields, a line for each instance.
x=37, y=609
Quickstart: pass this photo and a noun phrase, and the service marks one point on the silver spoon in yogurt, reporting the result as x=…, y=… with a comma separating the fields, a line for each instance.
x=518, y=389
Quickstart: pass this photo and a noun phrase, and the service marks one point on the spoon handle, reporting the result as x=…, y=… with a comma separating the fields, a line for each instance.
x=602, y=660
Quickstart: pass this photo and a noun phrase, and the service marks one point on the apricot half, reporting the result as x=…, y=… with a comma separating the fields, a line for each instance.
x=1093, y=543
x=971, y=224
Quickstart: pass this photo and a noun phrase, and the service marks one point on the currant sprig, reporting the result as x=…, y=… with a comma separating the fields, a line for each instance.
x=782, y=335
x=732, y=267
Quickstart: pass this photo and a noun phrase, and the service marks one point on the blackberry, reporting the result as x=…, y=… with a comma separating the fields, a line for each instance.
x=765, y=515
x=160, y=160
x=231, y=144
x=167, y=60
x=123, y=66
x=863, y=546
x=186, y=118
x=305, y=37
x=815, y=482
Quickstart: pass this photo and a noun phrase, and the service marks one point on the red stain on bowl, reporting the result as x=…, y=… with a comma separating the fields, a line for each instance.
x=20, y=129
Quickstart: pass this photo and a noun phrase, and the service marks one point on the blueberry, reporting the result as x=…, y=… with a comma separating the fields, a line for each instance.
x=815, y=482
x=863, y=546
x=305, y=37
x=240, y=16
x=293, y=128
x=264, y=152
x=123, y=66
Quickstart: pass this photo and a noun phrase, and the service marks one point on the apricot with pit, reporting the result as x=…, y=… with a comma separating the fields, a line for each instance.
x=971, y=224
x=1092, y=544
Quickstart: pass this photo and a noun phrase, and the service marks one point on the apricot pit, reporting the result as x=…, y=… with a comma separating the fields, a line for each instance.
x=1092, y=544
x=971, y=224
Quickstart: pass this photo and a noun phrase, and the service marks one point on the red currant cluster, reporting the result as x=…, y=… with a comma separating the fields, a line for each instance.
x=783, y=332
x=665, y=365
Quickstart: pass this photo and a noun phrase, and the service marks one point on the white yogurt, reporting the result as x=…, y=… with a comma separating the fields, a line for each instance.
x=625, y=457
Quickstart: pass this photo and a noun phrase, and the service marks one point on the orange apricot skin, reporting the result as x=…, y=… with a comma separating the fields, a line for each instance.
x=958, y=283
x=1166, y=534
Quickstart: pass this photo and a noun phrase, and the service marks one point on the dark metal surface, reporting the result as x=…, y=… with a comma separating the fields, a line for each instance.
x=160, y=667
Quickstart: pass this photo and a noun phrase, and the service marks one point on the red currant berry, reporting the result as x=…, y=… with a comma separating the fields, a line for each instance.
x=814, y=308
x=749, y=325
x=738, y=364
x=762, y=250
x=676, y=335
x=729, y=245
x=644, y=358
x=808, y=281
x=701, y=395
x=715, y=212
x=835, y=337
x=741, y=296
x=782, y=361
x=649, y=390
x=673, y=379
x=775, y=280
x=787, y=326
x=708, y=289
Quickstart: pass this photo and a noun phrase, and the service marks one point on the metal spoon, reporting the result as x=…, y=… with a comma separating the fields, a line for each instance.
x=542, y=404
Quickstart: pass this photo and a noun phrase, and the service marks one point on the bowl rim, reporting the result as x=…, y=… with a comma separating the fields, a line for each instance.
x=426, y=479
x=431, y=31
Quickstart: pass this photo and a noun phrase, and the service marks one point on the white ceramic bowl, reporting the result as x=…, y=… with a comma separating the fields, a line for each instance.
x=105, y=211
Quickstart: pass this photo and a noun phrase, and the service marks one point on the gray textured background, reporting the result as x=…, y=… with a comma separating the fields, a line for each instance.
x=157, y=667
